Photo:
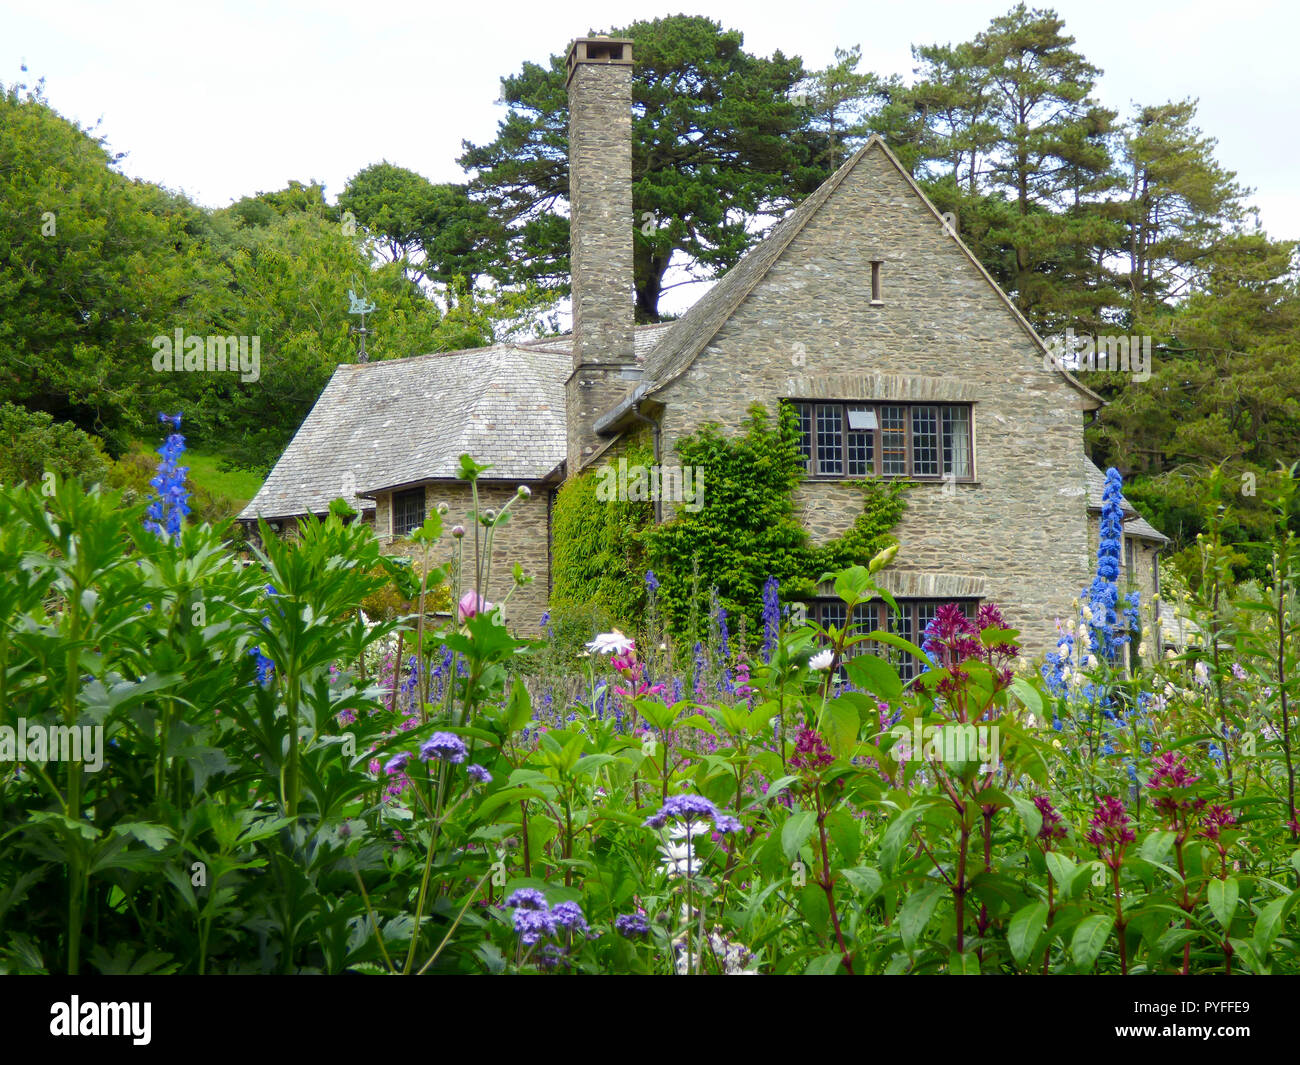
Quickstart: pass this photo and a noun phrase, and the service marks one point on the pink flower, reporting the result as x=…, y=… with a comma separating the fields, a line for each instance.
x=471, y=603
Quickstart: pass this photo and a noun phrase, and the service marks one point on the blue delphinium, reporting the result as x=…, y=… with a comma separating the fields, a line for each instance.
x=171, y=503
x=771, y=616
x=651, y=581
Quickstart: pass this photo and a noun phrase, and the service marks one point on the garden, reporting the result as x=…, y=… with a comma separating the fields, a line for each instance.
x=220, y=761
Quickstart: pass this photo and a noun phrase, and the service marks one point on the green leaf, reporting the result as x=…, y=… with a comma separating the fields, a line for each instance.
x=1026, y=926
x=1028, y=695
x=796, y=831
x=865, y=879
x=1029, y=815
x=825, y=965
x=875, y=675
x=916, y=913
x=891, y=845
x=1063, y=871
x=1222, y=897
x=1089, y=938
x=155, y=837
x=967, y=964
x=519, y=707
x=843, y=721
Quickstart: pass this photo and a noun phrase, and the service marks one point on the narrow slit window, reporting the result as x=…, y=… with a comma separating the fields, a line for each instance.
x=875, y=281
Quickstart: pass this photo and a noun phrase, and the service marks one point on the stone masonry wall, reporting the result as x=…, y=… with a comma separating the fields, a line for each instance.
x=1021, y=529
x=522, y=539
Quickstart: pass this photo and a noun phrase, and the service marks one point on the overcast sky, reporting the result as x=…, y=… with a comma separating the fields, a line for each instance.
x=224, y=99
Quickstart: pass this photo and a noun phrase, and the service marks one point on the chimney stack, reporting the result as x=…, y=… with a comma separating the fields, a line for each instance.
x=599, y=84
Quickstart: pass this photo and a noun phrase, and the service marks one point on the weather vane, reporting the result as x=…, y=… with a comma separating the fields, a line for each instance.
x=361, y=306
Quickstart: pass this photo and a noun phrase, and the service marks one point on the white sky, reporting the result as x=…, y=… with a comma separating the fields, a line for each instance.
x=225, y=98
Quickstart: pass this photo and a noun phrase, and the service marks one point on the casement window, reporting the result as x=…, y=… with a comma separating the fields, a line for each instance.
x=922, y=440
x=408, y=511
x=909, y=622
x=1130, y=559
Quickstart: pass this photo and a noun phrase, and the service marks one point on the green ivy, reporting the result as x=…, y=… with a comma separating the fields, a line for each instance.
x=599, y=561
x=747, y=528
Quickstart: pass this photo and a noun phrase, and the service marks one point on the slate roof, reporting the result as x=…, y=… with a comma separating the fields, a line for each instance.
x=398, y=422
x=1134, y=523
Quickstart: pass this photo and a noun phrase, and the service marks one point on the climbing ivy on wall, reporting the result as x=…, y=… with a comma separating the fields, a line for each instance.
x=747, y=528
x=745, y=531
x=598, y=558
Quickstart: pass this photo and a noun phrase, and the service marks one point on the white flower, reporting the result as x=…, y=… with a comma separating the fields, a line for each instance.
x=1087, y=613
x=822, y=659
x=1077, y=680
x=1202, y=674
x=1066, y=675
x=1169, y=691
x=611, y=643
x=679, y=859
x=1092, y=662
x=1083, y=632
x=1063, y=648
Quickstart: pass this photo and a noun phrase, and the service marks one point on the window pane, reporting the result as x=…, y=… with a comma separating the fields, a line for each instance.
x=956, y=441
x=830, y=439
x=804, y=410
x=925, y=442
x=833, y=613
x=862, y=456
x=408, y=511
x=893, y=441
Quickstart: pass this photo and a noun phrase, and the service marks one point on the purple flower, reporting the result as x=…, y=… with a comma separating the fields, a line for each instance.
x=686, y=807
x=527, y=898
x=444, y=746
x=397, y=762
x=479, y=775
x=533, y=925
x=1052, y=827
x=569, y=915
x=631, y=925
x=651, y=581
x=690, y=808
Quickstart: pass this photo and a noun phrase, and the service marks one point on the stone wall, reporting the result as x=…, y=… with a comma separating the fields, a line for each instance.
x=523, y=538
x=811, y=325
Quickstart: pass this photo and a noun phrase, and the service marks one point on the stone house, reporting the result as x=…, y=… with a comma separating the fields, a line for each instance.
x=862, y=307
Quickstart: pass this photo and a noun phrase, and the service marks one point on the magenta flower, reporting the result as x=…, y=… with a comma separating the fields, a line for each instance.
x=1110, y=833
x=1052, y=828
x=810, y=751
x=471, y=604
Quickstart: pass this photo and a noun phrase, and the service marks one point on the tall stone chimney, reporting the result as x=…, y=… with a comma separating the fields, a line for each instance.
x=600, y=235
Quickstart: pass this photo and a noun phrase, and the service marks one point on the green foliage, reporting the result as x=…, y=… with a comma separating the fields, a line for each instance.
x=92, y=265
x=32, y=442
x=599, y=561
x=747, y=528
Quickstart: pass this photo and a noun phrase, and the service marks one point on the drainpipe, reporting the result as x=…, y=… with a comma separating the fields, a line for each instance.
x=654, y=433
